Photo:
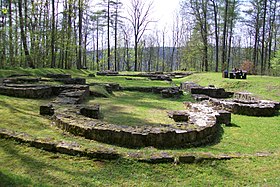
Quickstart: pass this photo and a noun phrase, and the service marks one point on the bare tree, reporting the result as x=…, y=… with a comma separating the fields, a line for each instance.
x=127, y=32
x=215, y=11
x=139, y=17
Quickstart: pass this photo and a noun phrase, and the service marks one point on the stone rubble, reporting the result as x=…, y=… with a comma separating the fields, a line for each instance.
x=211, y=91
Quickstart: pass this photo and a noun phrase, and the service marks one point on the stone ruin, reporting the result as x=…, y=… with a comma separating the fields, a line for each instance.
x=160, y=76
x=166, y=92
x=107, y=73
x=197, y=125
x=200, y=114
x=64, y=78
x=171, y=92
x=204, y=93
x=245, y=103
x=26, y=90
x=91, y=111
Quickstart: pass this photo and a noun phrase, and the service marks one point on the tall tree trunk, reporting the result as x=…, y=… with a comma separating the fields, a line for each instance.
x=108, y=35
x=53, y=56
x=216, y=35
x=163, y=51
x=271, y=28
x=97, y=44
x=224, y=52
x=263, y=38
x=11, y=44
x=205, y=40
x=116, y=38
x=23, y=36
x=79, y=62
x=135, y=55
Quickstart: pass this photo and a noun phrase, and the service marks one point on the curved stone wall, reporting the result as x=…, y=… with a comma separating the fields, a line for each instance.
x=27, y=91
x=201, y=129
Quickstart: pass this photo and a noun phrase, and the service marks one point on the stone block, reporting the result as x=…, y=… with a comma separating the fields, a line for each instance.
x=171, y=93
x=224, y=117
x=47, y=110
x=81, y=81
x=187, y=159
x=91, y=111
x=179, y=116
x=44, y=144
x=200, y=97
x=107, y=73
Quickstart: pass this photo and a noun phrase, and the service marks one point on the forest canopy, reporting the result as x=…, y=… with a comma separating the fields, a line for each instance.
x=206, y=35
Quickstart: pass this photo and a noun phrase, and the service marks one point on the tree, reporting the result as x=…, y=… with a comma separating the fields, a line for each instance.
x=224, y=47
x=23, y=36
x=53, y=56
x=80, y=7
x=216, y=26
x=199, y=10
x=139, y=18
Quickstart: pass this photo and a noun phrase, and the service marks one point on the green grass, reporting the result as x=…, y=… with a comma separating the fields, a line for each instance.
x=25, y=166
x=142, y=82
x=262, y=86
x=136, y=109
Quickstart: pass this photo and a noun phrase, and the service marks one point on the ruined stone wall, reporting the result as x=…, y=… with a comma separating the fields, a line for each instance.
x=35, y=92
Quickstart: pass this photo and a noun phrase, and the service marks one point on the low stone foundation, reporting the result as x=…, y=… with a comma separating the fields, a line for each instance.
x=256, y=108
x=201, y=128
x=57, y=89
x=81, y=81
x=107, y=73
x=20, y=80
x=210, y=91
x=171, y=92
x=26, y=91
x=57, y=76
x=160, y=78
x=71, y=96
x=70, y=148
x=91, y=111
x=156, y=90
x=201, y=114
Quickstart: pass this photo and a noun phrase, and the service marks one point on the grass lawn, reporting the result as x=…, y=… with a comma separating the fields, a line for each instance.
x=21, y=165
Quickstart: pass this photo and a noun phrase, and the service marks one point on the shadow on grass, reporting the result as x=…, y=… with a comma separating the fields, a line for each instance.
x=123, y=118
x=31, y=164
x=233, y=125
x=8, y=179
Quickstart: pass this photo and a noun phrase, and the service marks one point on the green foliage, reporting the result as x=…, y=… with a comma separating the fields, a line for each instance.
x=275, y=64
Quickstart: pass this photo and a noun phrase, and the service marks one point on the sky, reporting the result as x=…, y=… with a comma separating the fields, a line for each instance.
x=163, y=11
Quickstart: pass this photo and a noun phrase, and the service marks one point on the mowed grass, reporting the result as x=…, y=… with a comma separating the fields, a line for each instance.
x=21, y=165
x=25, y=166
x=264, y=87
x=137, y=109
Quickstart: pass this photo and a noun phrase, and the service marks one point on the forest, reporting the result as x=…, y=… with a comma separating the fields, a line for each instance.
x=206, y=35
